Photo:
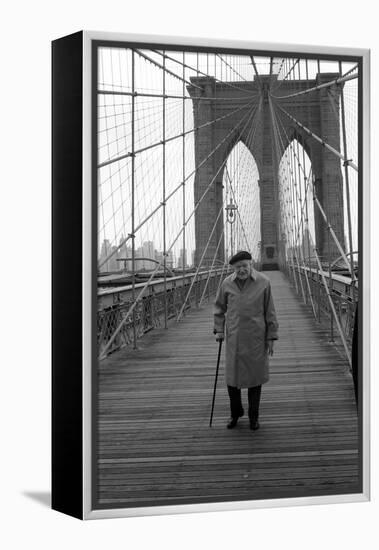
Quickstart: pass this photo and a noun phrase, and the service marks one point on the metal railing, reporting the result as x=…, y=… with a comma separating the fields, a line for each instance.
x=115, y=304
x=333, y=297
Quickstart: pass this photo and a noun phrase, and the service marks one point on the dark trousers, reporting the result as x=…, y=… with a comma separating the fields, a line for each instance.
x=254, y=398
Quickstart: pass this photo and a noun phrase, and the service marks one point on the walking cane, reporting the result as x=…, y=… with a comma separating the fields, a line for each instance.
x=214, y=389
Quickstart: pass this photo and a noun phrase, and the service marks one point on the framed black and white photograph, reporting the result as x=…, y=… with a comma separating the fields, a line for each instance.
x=211, y=334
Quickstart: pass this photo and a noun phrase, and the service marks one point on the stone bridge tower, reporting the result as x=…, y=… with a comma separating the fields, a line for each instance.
x=318, y=111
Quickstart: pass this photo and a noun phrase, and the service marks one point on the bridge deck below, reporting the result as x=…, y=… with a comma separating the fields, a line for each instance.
x=155, y=446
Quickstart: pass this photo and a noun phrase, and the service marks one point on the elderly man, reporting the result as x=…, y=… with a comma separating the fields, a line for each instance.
x=245, y=308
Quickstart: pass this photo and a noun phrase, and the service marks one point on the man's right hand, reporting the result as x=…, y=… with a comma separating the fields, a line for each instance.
x=219, y=336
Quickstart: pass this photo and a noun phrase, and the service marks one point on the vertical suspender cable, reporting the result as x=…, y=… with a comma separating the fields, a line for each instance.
x=301, y=223
x=184, y=170
x=330, y=285
x=306, y=201
x=211, y=269
x=294, y=213
x=164, y=189
x=347, y=178
x=133, y=202
x=291, y=219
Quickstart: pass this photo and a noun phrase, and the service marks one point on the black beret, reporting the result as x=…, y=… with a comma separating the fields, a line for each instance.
x=242, y=255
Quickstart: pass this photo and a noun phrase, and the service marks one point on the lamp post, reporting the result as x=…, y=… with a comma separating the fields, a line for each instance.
x=231, y=218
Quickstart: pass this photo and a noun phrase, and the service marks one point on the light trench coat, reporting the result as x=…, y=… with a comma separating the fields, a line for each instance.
x=248, y=319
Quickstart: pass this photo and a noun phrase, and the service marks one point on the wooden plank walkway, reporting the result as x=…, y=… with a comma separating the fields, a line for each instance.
x=155, y=446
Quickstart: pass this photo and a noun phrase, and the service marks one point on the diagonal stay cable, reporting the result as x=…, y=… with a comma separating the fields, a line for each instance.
x=180, y=135
x=320, y=140
x=236, y=202
x=336, y=81
x=256, y=71
x=212, y=265
x=200, y=262
x=202, y=73
x=165, y=69
x=280, y=82
x=232, y=68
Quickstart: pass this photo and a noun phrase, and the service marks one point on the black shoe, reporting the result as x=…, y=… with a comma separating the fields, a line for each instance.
x=254, y=425
x=233, y=421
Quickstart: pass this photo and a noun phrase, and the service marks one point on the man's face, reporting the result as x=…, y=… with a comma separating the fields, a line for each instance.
x=242, y=269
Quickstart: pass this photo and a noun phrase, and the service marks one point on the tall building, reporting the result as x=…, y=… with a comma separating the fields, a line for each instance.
x=148, y=251
x=182, y=258
x=307, y=248
x=159, y=256
x=113, y=263
x=123, y=252
x=104, y=253
x=139, y=264
x=170, y=259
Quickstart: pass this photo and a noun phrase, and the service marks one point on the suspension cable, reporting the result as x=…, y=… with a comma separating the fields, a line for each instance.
x=343, y=120
x=280, y=82
x=165, y=69
x=171, y=96
x=323, y=143
x=200, y=262
x=336, y=81
x=167, y=140
x=212, y=265
x=228, y=65
x=204, y=74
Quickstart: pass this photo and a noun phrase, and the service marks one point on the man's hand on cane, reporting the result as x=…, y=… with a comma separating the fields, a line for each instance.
x=219, y=336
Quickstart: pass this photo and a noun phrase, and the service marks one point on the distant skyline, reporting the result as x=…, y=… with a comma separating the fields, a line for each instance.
x=147, y=250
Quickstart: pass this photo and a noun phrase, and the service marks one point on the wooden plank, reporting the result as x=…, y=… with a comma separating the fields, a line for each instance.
x=154, y=442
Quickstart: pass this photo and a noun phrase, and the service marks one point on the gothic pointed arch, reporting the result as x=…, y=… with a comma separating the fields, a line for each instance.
x=241, y=190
